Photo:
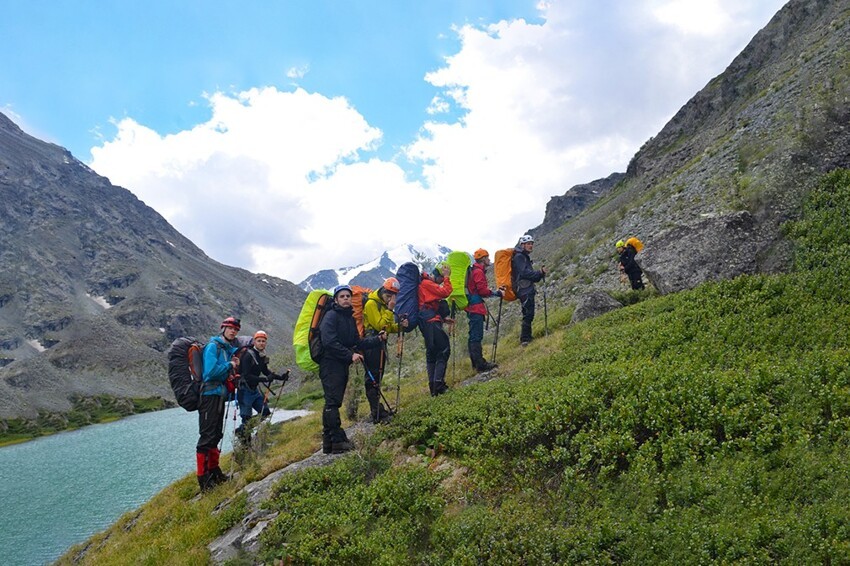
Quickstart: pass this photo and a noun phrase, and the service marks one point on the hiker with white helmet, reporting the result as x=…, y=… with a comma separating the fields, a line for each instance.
x=524, y=276
x=254, y=370
x=342, y=346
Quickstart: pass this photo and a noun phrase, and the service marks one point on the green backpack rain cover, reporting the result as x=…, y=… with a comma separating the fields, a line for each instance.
x=305, y=322
x=459, y=262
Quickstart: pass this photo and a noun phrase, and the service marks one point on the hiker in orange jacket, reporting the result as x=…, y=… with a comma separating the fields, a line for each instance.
x=434, y=289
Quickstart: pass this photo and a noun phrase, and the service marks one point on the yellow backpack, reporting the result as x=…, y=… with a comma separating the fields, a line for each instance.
x=635, y=243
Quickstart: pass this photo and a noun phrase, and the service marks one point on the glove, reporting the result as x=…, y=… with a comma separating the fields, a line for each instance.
x=498, y=293
x=282, y=377
x=230, y=385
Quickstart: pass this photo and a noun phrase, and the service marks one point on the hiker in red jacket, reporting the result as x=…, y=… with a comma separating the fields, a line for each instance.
x=434, y=288
x=478, y=289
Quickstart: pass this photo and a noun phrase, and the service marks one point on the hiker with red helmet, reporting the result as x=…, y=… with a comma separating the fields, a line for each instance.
x=478, y=289
x=219, y=363
x=434, y=289
x=254, y=370
x=342, y=346
x=378, y=316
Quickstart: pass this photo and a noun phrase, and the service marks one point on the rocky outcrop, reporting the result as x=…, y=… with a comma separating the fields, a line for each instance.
x=561, y=209
x=593, y=304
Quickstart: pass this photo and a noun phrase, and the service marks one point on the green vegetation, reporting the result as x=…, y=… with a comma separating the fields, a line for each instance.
x=85, y=411
x=708, y=426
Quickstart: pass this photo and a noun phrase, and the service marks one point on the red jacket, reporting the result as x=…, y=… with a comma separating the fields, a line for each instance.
x=477, y=288
x=430, y=295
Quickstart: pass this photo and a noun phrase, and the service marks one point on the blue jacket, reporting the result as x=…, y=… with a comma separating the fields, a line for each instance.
x=217, y=355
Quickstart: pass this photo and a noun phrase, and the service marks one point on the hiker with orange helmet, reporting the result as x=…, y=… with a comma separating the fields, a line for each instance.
x=478, y=289
x=254, y=370
x=377, y=317
x=434, y=289
x=220, y=363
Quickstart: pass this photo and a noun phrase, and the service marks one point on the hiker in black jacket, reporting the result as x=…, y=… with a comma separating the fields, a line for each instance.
x=629, y=265
x=340, y=345
x=523, y=278
x=254, y=370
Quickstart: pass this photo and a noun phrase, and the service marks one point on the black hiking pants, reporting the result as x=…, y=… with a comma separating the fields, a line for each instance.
x=210, y=422
x=437, y=352
x=635, y=279
x=527, y=304
x=334, y=376
x=374, y=361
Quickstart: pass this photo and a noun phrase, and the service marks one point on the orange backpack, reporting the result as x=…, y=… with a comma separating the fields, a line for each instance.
x=502, y=269
x=359, y=295
x=635, y=243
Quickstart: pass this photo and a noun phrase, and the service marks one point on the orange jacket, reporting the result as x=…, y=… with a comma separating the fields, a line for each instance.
x=430, y=295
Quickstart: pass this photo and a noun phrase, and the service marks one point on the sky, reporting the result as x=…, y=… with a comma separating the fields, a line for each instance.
x=286, y=137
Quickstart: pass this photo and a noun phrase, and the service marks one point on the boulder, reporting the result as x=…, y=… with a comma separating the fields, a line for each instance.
x=593, y=304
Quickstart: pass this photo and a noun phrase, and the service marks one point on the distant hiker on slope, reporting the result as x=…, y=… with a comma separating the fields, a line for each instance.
x=478, y=289
x=524, y=277
x=254, y=370
x=628, y=264
x=434, y=288
x=219, y=364
x=340, y=341
x=377, y=317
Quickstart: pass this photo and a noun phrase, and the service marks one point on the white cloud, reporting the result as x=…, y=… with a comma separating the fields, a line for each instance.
x=298, y=72
x=542, y=107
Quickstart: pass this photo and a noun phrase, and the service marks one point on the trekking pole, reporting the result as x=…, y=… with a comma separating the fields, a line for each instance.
x=454, y=341
x=377, y=386
x=399, y=355
x=545, y=311
x=498, y=323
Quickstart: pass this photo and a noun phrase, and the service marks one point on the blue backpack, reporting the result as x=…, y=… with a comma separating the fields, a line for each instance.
x=407, y=300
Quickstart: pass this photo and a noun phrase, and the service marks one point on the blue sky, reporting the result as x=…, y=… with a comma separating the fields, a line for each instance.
x=319, y=125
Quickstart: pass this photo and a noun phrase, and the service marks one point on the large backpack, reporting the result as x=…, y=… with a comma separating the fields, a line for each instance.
x=305, y=339
x=407, y=300
x=186, y=371
x=635, y=243
x=359, y=296
x=502, y=269
x=459, y=262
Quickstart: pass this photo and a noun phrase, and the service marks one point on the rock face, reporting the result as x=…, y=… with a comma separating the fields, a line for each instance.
x=709, y=194
x=95, y=285
x=593, y=304
x=561, y=209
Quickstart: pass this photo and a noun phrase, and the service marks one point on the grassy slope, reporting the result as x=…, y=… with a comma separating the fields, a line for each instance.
x=712, y=425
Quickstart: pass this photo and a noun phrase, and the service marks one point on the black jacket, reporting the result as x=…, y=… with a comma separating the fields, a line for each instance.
x=523, y=274
x=627, y=259
x=252, y=365
x=340, y=339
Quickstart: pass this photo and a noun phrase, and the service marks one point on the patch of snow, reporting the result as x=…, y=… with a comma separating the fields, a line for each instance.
x=37, y=345
x=161, y=329
x=99, y=300
x=170, y=244
x=281, y=415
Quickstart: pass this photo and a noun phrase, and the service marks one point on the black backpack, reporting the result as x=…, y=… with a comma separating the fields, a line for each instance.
x=186, y=371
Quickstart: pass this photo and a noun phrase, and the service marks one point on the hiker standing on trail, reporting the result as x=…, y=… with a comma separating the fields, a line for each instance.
x=340, y=341
x=478, y=289
x=628, y=264
x=524, y=276
x=377, y=317
x=219, y=363
x=434, y=288
x=254, y=370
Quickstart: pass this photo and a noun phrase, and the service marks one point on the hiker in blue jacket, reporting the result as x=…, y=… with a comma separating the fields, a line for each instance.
x=219, y=364
x=254, y=370
x=341, y=345
x=523, y=278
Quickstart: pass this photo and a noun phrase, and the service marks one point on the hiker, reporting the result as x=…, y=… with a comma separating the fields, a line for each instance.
x=628, y=264
x=524, y=277
x=478, y=289
x=219, y=363
x=341, y=342
x=254, y=370
x=378, y=316
x=434, y=288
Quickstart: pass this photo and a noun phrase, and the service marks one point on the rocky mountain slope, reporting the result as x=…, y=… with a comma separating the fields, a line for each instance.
x=708, y=195
x=95, y=285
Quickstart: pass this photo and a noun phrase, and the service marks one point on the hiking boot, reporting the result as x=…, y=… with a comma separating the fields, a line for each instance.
x=217, y=476
x=523, y=344
x=381, y=416
x=340, y=447
x=327, y=447
x=205, y=483
x=486, y=366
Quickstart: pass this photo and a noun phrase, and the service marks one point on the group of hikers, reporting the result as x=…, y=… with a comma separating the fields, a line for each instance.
x=343, y=346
